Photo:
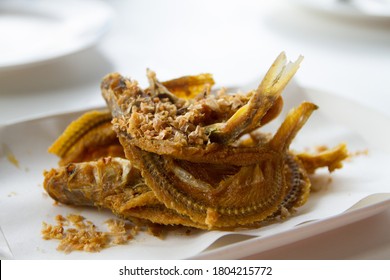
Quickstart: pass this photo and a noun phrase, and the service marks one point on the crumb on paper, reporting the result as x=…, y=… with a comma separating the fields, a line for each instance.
x=76, y=233
x=10, y=156
x=320, y=182
x=357, y=153
x=12, y=159
x=321, y=148
x=11, y=194
x=120, y=231
x=39, y=249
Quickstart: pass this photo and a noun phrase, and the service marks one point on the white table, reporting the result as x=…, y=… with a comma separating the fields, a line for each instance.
x=236, y=41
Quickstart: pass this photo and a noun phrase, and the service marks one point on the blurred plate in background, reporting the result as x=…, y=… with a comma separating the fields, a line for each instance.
x=369, y=9
x=41, y=30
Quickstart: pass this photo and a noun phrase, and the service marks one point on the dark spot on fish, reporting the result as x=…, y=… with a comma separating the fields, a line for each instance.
x=70, y=169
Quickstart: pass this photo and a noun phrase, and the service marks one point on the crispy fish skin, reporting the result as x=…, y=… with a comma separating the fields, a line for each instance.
x=90, y=183
x=111, y=183
x=90, y=137
x=330, y=158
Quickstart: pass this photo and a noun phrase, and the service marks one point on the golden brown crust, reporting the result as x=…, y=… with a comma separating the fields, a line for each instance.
x=90, y=137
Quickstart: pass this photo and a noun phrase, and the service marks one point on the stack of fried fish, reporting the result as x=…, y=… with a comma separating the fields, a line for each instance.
x=179, y=153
